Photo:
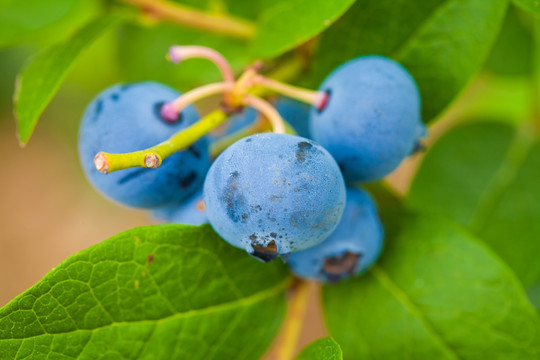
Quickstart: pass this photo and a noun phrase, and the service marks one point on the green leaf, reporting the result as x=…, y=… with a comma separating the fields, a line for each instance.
x=40, y=80
x=436, y=293
x=532, y=6
x=512, y=54
x=443, y=43
x=155, y=292
x=321, y=349
x=22, y=21
x=485, y=176
x=285, y=24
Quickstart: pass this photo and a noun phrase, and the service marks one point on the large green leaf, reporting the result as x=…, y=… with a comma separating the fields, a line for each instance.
x=156, y=292
x=40, y=80
x=485, y=176
x=436, y=293
x=443, y=43
x=21, y=21
x=286, y=24
x=321, y=349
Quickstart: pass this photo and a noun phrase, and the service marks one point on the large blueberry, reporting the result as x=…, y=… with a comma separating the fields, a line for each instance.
x=372, y=119
x=272, y=194
x=125, y=118
x=352, y=248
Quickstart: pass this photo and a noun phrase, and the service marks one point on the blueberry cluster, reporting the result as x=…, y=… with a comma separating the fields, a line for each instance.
x=273, y=195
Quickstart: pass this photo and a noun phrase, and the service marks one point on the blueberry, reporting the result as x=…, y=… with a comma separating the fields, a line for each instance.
x=191, y=212
x=372, y=119
x=296, y=114
x=272, y=194
x=125, y=118
x=352, y=248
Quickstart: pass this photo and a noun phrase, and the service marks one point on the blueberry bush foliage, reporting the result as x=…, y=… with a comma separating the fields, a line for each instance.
x=459, y=275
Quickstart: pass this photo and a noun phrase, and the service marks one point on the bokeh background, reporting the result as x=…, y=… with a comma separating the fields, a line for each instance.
x=48, y=210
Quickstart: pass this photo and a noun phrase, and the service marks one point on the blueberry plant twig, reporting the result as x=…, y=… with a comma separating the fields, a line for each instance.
x=317, y=99
x=222, y=24
x=295, y=320
x=169, y=111
x=180, y=53
x=218, y=146
x=152, y=157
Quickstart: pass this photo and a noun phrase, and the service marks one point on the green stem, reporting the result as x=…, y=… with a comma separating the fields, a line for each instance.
x=222, y=24
x=152, y=157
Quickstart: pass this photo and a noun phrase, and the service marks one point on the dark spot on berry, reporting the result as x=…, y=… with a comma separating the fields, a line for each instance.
x=192, y=149
x=253, y=237
x=244, y=216
x=187, y=180
x=99, y=109
x=235, y=201
x=338, y=267
x=303, y=148
x=248, y=140
x=273, y=234
x=150, y=258
x=132, y=175
x=265, y=253
x=115, y=97
x=276, y=198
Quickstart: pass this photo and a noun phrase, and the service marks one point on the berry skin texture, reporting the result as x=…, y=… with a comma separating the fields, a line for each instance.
x=372, y=119
x=352, y=248
x=191, y=212
x=272, y=194
x=125, y=118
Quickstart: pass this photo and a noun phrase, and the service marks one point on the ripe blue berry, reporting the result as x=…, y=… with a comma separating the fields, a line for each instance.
x=372, y=119
x=125, y=118
x=296, y=114
x=191, y=212
x=352, y=248
x=272, y=194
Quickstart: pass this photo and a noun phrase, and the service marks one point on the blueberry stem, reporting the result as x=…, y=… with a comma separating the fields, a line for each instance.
x=180, y=53
x=170, y=110
x=266, y=109
x=152, y=157
x=294, y=321
x=217, y=23
x=315, y=98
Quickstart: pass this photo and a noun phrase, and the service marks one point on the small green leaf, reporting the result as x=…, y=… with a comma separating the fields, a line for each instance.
x=485, y=176
x=532, y=6
x=443, y=43
x=436, y=293
x=40, y=80
x=321, y=349
x=286, y=24
x=155, y=292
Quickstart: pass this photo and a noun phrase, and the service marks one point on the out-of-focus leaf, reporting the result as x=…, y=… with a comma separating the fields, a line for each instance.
x=40, y=80
x=443, y=43
x=485, y=176
x=512, y=54
x=436, y=293
x=285, y=24
x=156, y=292
x=532, y=6
x=29, y=20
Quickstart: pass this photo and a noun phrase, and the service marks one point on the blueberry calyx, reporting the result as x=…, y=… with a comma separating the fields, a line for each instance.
x=340, y=266
x=323, y=105
x=164, y=114
x=265, y=253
